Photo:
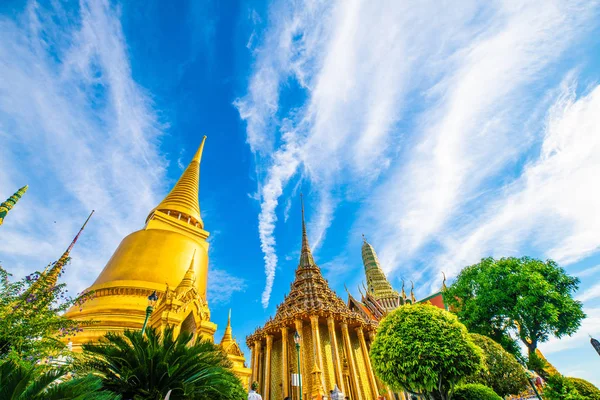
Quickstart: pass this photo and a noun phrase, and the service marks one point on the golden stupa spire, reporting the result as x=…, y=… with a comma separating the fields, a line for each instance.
x=403, y=291
x=227, y=336
x=182, y=201
x=306, y=257
x=52, y=276
x=412, y=293
x=189, y=279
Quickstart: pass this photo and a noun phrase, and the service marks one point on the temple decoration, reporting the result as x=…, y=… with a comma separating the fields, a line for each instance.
x=334, y=341
x=6, y=206
x=595, y=344
x=379, y=288
x=170, y=251
x=232, y=349
x=57, y=268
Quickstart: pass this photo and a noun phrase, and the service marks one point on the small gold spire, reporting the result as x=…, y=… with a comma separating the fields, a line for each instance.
x=188, y=279
x=444, y=281
x=412, y=292
x=183, y=198
x=227, y=336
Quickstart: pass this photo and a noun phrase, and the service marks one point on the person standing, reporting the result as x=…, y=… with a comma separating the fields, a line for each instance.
x=252, y=395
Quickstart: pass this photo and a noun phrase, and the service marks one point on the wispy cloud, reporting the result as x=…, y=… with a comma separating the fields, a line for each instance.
x=222, y=286
x=403, y=115
x=78, y=129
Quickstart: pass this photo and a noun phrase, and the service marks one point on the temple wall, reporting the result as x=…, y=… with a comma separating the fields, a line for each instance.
x=328, y=371
x=276, y=368
x=363, y=380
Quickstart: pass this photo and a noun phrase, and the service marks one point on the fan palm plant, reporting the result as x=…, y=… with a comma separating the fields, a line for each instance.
x=138, y=366
x=23, y=381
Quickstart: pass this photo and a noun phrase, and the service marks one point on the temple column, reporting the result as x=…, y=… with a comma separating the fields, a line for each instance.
x=314, y=323
x=299, y=325
x=255, y=355
x=285, y=373
x=267, y=386
x=365, y=352
x=351, y=362
x=336, y=357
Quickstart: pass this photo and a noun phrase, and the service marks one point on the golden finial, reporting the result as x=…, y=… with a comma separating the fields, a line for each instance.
x=412, y=293
x=444, y=281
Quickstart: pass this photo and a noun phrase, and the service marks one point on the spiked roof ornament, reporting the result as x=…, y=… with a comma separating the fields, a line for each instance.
x=7, y=205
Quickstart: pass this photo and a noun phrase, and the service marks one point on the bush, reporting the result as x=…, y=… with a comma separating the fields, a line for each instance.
x=560, y=388
x=474, y=391
x=423, y=349
x=585, y=388
x=501, y=371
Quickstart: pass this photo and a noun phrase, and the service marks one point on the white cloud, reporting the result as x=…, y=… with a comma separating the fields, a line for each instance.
x=80, y=131
x=222, y=286
x=590, y=293
x=410, y=117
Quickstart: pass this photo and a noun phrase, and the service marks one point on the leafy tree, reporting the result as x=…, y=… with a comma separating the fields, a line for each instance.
x=147, y=366
x=532, y=297
x=501, y=371
x=26, y=381
x=425, y=350
x=585, y=388
x=560, y=388
x=31, y=321
x=475, y=391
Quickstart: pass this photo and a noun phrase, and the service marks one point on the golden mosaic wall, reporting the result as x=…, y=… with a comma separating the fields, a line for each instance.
x=328, y=371
x=308, y=354
x=276, y=368
x=361, y=366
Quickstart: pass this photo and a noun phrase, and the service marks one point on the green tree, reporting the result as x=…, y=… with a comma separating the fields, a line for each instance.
x=148, y=366
x=423, y=349
x=475, y=391
x=21, y=380
x=585, y=388
x=31, y=321
x=501, y=371
x=532, y=297
x=559, y=387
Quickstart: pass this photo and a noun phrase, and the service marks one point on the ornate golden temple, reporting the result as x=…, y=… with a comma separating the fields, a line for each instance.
x=334, y=341
x=169, y=256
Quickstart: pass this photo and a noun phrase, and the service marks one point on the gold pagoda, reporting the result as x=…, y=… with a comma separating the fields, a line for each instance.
x=169, y=256
x=334, y=341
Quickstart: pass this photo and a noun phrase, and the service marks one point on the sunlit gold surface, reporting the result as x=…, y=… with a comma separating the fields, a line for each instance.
x=168, y=255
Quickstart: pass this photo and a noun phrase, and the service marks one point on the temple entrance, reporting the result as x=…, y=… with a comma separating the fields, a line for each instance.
x=189, y=324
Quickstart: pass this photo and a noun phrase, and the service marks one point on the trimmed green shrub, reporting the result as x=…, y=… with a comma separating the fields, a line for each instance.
x=585, y=388
x=560, y=388
x=423, y=349
x=474, y=391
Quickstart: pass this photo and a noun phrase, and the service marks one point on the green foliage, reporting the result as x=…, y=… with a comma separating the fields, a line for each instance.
x=560, y=388
x=147, y=366
x=501, y=371
x=532, y=297
x=423, y=349
x=25, y=381
x=474, y=391
x=31, y=323
x=585, y=388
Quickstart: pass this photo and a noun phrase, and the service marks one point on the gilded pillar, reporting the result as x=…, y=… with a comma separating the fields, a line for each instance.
x=285, y=373
x=314, y=323
x=351, y=362
x=363, y=346
x=255, y=355
x=303, y=367
x=339, y=378
x=267, y=386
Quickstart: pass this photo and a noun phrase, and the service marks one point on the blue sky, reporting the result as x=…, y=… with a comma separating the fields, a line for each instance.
x=444, y=133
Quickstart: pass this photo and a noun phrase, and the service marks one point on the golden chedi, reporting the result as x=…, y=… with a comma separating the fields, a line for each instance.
x=334, y=341
x=168, y=255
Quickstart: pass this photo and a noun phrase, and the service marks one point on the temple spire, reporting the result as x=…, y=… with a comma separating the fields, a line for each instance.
x=306, y=258
x=54, y=272
x=6, y=206
x=182, y=202
x=188, y=279
x=227, y=336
